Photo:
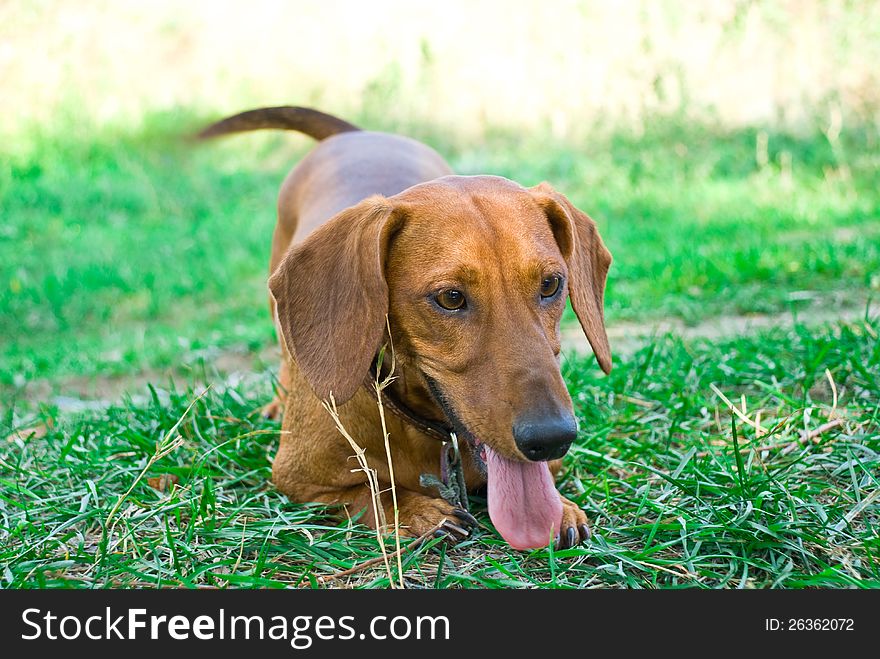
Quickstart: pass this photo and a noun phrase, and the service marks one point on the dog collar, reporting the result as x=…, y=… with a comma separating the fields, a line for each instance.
x=451, y=485
x=434, y=429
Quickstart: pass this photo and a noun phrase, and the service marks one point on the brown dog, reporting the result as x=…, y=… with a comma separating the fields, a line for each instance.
x=471, y=274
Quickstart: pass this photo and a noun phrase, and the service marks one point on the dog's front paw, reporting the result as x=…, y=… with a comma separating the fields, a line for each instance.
x=421, y=514
x=574, y=529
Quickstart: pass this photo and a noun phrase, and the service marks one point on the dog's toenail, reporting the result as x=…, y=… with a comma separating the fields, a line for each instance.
x=466, y=516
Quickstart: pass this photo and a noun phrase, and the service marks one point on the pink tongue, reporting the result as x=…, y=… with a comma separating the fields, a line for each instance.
x=523, y=502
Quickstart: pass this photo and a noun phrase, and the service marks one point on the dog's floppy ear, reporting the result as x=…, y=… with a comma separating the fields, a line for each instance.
x=588, y=261
x=331, y=297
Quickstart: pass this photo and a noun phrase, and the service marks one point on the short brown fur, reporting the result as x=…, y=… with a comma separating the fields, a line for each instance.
x=369, y=226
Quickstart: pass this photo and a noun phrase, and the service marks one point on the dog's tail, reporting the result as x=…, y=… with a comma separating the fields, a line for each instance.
x=304, y=120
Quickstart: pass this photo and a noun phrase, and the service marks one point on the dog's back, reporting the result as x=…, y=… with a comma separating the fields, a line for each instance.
x=352, y=163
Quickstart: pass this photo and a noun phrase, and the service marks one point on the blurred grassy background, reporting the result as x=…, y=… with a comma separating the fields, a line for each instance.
x=728, y=150
x=468, y=67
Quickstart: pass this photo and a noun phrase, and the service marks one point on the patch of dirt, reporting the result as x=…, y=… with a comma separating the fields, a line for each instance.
x=627, y=337
x=232, y=367
x=226, y=368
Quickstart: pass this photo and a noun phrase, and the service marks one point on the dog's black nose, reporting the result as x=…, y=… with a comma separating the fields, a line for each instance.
x=544, y=438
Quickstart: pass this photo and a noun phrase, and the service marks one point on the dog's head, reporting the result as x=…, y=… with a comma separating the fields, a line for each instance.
x=473, y=273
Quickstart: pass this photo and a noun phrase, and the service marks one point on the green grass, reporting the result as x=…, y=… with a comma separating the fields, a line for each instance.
x=124, y=250
x=672, y=502
x=126, y=253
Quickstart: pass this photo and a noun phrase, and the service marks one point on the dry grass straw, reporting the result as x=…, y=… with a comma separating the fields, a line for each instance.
x=379, y=385
x=372, y=479
x=366, y=564
x=806, y=435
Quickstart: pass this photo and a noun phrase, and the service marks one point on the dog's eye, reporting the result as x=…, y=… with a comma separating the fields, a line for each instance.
x=550, y=286
x=450, y=299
